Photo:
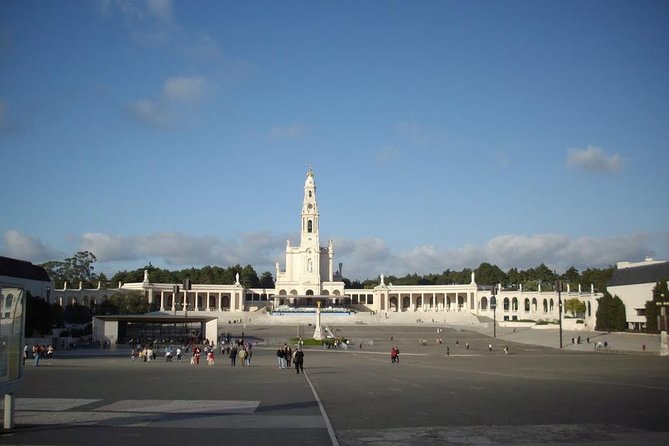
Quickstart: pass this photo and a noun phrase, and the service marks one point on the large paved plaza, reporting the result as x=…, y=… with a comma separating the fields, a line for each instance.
x=534, y=395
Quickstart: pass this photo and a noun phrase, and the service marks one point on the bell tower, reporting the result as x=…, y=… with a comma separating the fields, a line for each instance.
x=308, y=266
x=309, y=237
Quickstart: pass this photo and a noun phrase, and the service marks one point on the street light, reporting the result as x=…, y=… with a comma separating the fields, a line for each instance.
x=558, y=288
x=493, y=305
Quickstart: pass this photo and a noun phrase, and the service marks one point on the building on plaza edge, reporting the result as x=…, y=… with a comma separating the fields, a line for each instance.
x=309, y=277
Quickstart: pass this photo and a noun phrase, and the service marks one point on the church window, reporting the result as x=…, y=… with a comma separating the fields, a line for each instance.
x=309, y=194
x=310, y=226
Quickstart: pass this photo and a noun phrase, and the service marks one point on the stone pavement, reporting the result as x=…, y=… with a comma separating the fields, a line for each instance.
x=536, y=395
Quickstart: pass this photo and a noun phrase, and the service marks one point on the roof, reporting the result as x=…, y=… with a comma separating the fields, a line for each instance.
x=640, y=274
x=162, y=318
x=21, y=269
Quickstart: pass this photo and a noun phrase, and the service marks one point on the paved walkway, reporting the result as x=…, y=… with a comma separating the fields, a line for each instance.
x=616, y=342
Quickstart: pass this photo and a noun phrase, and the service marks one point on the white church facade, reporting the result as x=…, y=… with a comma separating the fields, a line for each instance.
x=308, y=277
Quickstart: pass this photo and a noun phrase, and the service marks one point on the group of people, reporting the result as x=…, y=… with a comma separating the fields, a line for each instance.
x=285, y=355
x=242, y=350
x=38, y=351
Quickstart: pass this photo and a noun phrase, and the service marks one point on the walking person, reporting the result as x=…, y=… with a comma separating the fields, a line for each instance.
x=242, y=355
x=397, y=354
x=393, y=355
x=233, y=355
x=279, y=356
x=36, y=354
x=249, y=353
x=299, y=360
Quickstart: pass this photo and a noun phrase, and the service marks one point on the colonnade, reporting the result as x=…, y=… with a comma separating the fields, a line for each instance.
x=426, y=301
x=200, y=300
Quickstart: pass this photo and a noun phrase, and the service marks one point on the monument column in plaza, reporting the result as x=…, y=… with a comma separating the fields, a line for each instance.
x=318, y=332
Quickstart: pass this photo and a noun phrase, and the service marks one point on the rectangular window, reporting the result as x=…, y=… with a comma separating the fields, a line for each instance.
x=370, y=299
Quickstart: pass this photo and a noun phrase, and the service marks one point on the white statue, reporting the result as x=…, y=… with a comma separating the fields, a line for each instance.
x=237, y=279
x=146, y=275
x=382, y=279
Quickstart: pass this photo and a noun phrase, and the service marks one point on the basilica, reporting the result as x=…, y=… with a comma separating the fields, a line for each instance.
x=308, y=278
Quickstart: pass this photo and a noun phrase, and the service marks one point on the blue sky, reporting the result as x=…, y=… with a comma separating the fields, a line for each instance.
x=442, y=134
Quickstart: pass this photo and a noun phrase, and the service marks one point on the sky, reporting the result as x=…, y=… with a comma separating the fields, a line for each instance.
x=442, y=134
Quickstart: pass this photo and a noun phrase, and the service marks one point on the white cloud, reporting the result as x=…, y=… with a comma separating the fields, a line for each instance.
x=362, y=258
x=593, y=159
x=161, y=9
x=183, y=89
x=278, y=132
x=24, y=247
x=156, y=114
x=168, y=108
x=388, y=153
x=182, y=250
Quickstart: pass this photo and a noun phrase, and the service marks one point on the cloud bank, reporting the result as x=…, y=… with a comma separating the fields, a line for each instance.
x=362, y=258
x=593, y=159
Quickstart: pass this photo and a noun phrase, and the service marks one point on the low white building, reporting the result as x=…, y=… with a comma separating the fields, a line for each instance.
x=633, y=283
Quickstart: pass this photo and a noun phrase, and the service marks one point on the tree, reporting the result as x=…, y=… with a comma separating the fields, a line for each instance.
x=132, y=302
x=660, y=294
x=572, y=277
x=597, y=277
x=39, y=320
x=266, y=280
x=248, y=277
x=77, y=314
x=611, y=313
x=575, y=307
x=73, y=270
x=488, y=274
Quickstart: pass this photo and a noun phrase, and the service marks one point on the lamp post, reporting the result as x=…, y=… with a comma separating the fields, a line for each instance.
x=558, y=288
x=663, y=326
x=493, y=305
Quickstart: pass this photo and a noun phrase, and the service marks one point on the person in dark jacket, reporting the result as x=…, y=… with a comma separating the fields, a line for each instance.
x=299, y=360
x=233, y=355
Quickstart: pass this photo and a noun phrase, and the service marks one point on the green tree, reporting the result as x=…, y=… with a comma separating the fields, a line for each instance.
x=597, y=277
x=73, y=270
x=487, y=274
x=132, y=302
x=660, y=294
x=572, y=277
x=77, y=314
x=266, y=280
x=39, y=318
x=249, y=278
x=543, y=275
x=611, y=313
x=575, y=307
